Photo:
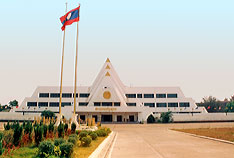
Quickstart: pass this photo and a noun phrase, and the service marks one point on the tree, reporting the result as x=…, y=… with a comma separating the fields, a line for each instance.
x=13, y=103
x=47, y=114
x=151, y=119
x=166, y=117
x=212, y=104
x=230, y=106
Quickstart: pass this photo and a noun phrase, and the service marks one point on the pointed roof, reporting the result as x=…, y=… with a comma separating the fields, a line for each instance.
x=107, y=60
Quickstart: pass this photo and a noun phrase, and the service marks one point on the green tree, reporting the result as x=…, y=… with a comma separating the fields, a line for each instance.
x=47, y=114
x=230, y=106
x=13, y=103
x=151, y=119
x=17, y=134
x=166, y=117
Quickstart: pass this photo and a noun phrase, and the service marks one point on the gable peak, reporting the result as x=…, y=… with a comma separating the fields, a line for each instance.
x=107, y=60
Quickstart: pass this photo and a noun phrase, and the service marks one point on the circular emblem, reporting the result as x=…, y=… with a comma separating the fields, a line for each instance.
x=107, y=95
x=68, y=16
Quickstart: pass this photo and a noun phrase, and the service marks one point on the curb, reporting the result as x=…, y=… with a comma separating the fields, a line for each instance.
x=205, y=137
x=102, y=151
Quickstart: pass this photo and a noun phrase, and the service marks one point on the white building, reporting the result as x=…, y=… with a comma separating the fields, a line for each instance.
x=108, y=100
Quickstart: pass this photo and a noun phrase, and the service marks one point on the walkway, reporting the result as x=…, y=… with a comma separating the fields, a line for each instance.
x=158, y=141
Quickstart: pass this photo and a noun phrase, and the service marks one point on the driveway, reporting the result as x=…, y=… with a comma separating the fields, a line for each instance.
x=158, y=141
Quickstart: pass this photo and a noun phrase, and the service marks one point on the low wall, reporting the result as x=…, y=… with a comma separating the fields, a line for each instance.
x=203, y=117
x=12, y=116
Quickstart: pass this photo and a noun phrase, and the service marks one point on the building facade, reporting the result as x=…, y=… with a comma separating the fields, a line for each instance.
x=109, y=100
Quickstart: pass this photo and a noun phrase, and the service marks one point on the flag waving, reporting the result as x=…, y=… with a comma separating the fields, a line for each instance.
x=70, y=17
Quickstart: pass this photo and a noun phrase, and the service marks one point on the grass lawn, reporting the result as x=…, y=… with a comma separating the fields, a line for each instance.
x=84, y=152
x=24, y=152
x=219, y=133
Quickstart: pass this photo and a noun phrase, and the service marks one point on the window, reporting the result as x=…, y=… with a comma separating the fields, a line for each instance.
x=160, y=95
x=184, y=104
x=149, y=104
x=54, y=95
x=97, y=104
x=139, y=95
x=172, y=104
x=84, y=95
x=116, y=103
x=31, y=103
x=66, y=95
x=66, y=104
x=161, y=104
x=43, y=95
x=148, y=95
x=76, y=95
x=106, y=103
x=43, y=104
x=54, y=104
x=83, y=103
x=171, y=95
x=131, y=104
x=130, y=95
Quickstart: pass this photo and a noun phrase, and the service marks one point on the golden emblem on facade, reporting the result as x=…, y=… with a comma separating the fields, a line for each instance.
x=107, y=95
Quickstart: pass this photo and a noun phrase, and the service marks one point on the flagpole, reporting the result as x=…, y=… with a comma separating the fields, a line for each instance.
x=61, y=80
x=75, y=85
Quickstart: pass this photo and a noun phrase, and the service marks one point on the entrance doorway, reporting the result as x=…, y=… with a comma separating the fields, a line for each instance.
x=106, y=118
x=119, y=118
x=131, y=118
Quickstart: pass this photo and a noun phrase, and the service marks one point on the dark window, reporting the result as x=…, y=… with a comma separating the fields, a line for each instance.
x=160, y=95
x=54, y=95
x=171, y=95
x=83, y=103
x=161, y=104
x=43, y=95
x=130, y=95
x=45, y=104
x=116, y=103
x=139, y=95
x=184, y=104
x=54, y=104
x=84, y=95
x=149, y=104
x=31, y=103
x=66, y=104
x=131, y=104
x=97, y=104
x=148, y=95
x=106, y=103
x=66, y=95
x=172, y=104
x=76, y=95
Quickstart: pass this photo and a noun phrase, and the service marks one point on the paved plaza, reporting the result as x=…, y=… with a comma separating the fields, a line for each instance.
x=158, y=141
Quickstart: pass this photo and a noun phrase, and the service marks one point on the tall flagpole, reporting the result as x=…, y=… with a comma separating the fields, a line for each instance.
x=75, y=86
x=61, y=81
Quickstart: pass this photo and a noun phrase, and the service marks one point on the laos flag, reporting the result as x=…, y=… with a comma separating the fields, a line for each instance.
x=70, y=17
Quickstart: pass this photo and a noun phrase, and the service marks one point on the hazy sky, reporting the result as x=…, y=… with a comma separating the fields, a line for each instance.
x=182, y=43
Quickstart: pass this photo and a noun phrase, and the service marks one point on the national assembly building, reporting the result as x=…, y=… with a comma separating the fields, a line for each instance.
x=109, y=100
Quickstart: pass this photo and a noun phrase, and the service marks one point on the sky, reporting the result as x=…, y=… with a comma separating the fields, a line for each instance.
x=182, y=43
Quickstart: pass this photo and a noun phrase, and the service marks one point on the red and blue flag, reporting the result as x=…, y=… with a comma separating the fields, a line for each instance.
x=70, y=17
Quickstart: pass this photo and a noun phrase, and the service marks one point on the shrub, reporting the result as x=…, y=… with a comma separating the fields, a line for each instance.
x=17, y=134
x=151, y=119
x=72, y=140
x=28, y=128
x=101, y=133
x=46, y=148
x=61, y=130
x=38, y=132
x=166, y=117
x=25, y=139
x=74, y=136
x=93, y=136
x=83, y=134
x=73, y=127
x=7, y=126
x=66, y=149
x=65, y=127
x=78, y=132
x=59, y=141
x=85, y=141
x=1, y=148
x=57, y=151
x=51, y=127
x=47, y=114
x=8, y=138
x=45, y=129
